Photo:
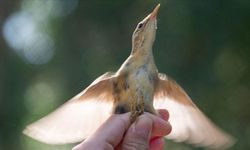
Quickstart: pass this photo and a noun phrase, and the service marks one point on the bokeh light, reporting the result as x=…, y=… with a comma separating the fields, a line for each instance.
x=50, y=50
x=26, y=31
x=23, y=35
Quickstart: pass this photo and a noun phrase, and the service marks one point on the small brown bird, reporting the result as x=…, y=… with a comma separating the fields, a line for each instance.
x=136, y=87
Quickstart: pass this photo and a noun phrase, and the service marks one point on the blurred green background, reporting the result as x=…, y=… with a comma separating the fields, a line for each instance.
x=50, y=50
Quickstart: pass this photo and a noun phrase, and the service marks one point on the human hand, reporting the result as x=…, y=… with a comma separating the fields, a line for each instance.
x=147, y=132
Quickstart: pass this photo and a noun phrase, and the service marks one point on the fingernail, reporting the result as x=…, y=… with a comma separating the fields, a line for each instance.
x=163, y=114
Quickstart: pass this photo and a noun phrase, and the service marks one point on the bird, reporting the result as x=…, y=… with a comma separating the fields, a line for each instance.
x=136, y=87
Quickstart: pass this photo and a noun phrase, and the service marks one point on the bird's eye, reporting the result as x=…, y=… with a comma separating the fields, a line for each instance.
x=140, y=25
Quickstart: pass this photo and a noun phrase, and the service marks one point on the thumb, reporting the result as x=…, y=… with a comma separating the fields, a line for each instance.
x=138, y=135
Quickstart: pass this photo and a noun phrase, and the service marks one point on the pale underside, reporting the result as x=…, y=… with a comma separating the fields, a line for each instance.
x=83, y=114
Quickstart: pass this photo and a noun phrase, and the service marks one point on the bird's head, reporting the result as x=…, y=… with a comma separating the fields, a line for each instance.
x=144, y=34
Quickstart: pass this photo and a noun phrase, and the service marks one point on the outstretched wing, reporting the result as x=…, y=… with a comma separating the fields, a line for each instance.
x=189, y=124
x=77, y=118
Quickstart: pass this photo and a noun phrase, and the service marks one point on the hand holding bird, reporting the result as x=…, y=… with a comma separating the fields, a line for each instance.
x=118, y=133
x=136, y=87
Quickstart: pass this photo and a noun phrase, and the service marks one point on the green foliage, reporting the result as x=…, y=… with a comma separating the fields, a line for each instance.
x=204, y=45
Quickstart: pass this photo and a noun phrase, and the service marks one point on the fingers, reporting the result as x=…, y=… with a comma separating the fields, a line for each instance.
x=164, y=114
x=113, y=129
x=143, y=129
x=160, y=127
x=108, y=135
x=146, y=132
x=138, y=135
x=157, y=143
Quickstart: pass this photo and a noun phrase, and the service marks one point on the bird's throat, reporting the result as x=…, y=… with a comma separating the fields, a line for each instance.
x=142, y=48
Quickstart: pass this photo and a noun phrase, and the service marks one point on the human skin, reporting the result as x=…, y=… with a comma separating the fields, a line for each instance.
x=146, y=133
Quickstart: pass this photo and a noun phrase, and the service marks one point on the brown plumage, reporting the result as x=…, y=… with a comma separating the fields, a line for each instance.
x=136, y=87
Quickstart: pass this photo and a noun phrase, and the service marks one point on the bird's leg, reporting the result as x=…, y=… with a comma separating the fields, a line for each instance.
x=150, y=109
x=137, y=107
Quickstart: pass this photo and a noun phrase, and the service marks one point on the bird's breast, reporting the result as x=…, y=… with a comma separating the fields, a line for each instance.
x=142, y=77
x=135, y=82
x=142, y=81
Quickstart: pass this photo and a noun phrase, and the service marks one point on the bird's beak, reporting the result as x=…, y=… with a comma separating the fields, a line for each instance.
x=153, y=15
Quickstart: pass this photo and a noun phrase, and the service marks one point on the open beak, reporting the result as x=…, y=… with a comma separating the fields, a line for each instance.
x=153, y=15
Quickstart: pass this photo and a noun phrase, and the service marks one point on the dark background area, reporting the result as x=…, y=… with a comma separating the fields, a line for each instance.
x=50, y=50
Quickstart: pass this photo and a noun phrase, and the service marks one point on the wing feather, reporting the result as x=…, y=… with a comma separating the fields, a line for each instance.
x=78, y=118
x=189, y=124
